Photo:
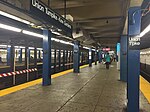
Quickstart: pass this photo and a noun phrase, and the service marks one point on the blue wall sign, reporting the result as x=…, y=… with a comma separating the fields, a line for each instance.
x=50, y=17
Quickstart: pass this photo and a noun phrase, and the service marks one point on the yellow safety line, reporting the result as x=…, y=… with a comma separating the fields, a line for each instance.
x=32, y=83
x=145, y=88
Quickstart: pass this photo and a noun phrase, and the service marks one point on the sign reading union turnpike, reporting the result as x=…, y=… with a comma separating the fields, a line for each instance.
x=49, y=12
x=134, y=43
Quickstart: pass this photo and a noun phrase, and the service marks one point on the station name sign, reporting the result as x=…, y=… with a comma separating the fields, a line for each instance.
x=134, y=43
x=47, y=14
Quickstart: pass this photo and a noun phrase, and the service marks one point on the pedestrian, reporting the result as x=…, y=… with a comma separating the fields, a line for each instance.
x=108, y=59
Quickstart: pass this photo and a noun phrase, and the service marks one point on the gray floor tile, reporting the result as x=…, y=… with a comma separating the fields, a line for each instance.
x=76, y=107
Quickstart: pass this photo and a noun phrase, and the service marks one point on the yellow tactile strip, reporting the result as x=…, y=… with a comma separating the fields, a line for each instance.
x=32, y=83
x=145, y=88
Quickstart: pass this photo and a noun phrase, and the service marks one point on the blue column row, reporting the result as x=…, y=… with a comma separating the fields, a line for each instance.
x=133, y=63
x=123, y=58
x=46, y=58
x=76, y=57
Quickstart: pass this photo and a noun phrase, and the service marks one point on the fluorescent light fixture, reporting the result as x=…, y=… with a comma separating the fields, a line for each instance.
x=7, y=27
x=14, y=17
x=39, y=49
x=61, y=41
x=3, y=45
x=56, y=33
x=93, y=49
x=31, y=47
x=86, y=48
x=19, y=47
x=32, y=33
x=146, y=30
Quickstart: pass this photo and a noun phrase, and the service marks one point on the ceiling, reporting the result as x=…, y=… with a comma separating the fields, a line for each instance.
x=102, y=20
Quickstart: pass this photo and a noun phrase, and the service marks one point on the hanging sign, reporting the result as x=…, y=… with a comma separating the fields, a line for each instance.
x=134, y=43
x=47, y=15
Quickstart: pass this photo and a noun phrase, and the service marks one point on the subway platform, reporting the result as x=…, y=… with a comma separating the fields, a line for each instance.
x=94, y=89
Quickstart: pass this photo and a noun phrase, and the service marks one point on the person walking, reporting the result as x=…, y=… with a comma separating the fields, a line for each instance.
x=108, y=59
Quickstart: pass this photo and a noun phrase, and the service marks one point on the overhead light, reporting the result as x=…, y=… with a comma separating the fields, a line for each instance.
x=3, y=45
x=14, y=17
x=7, y=27
x=86, y=48
x=61, y=41
x=146, y=30
x=39, y=49
x=32, y=33
x=31, y=47
x=56, y=33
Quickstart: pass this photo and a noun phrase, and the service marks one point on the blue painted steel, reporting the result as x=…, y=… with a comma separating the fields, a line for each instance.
x=100, y=56
x=76, y=57
x=39, y=54
x=20, y=55
x=90, y=57
x=35, y=57
x=59, y=59
x=10, y=57
x=46, y=76
x=123, y=58
x=26, y=57
x=95, y=57
x=133, y=63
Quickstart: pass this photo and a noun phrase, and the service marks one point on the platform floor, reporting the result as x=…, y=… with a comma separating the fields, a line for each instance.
x=93, y=90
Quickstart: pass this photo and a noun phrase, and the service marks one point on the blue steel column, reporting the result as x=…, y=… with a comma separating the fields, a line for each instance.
x=46, y=58
x=90, y=57
x=123, y=58
x=134, y=24
x=20, y=55
x=99, y=56
x=76, y=57
x=39, y=54
x=10, y=57
x=95, y=57
x=59, y=59
x=28, y=62
x=35, y=57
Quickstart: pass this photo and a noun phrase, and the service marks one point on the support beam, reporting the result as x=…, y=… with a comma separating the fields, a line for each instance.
x=99, y=56
x=76, y=57
x=134, y=27
x=46, y=58
x=123, y=58
x=90, y=57
x=95, y=57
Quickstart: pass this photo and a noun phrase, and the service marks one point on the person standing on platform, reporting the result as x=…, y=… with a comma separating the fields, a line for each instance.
x=108, y=59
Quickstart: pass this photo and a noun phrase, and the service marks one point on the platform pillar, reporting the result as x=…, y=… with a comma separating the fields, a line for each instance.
x=20, y=55
x=90, y=57
x=123, y=58
x=99, y=56
x=35, y=57
x=59, y=59
x=11, y=57
x=76, y=57
x=27, y=59
x=133, y=63
x=95, y=57
x=64, y=60
x=39, y=54
x=46, y=76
